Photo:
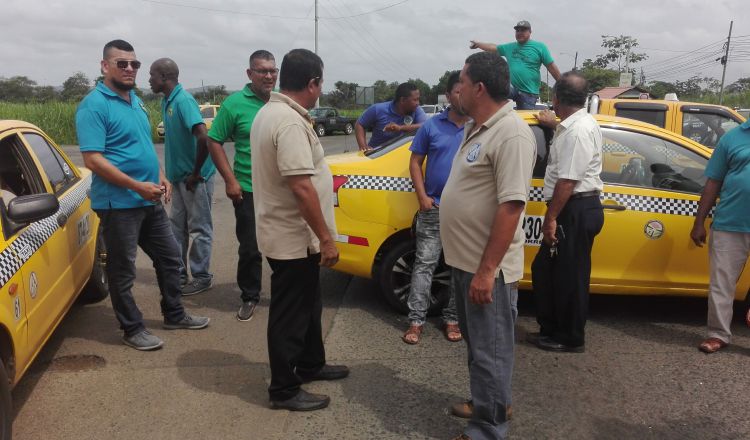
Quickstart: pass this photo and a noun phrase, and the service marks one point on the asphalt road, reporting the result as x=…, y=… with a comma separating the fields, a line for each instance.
x=641, y=376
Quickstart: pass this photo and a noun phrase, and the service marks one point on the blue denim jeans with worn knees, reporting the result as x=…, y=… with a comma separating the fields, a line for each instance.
x=429, y=248
x=524, y=101
x=148, y=227
x=191, y=222
x=488, y=330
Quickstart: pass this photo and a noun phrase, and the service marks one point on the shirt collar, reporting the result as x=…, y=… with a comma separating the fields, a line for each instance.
x=494, y=119
x=745, y=125
x=247, y=91
x=392, y=109
x=101, y=87
x=175, y=91
x=280, y=97
x=572, y=119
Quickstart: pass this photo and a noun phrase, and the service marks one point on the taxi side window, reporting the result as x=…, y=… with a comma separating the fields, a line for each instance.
x=650, y=116
x=18, y=177
x=543, y=138
x=58, y=171
x=706, y=128
x=641, y=160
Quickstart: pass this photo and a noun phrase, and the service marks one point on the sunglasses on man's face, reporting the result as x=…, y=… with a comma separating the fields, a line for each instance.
x=123, y=64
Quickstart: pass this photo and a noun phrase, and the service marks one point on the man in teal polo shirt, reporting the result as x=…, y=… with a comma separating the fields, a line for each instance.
x=728, y=173
x=114, y=135
x=191, y=195
x=233, y=121
x=524, y=57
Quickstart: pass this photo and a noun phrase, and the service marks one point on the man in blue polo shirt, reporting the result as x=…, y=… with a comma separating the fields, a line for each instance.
x=390, y=119
x=728, y=173
x=437, y=140
x=191, y=195
x=524, y=57
x=114, y=135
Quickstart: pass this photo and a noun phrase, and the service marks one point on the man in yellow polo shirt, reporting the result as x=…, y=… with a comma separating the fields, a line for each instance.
x=482, y=205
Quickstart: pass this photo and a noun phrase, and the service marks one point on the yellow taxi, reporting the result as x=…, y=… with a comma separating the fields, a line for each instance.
x=50, y=250
x=208, y=113
x=652, y=183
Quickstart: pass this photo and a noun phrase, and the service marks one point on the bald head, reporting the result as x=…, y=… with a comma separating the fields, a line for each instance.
x=571, y=90
x=164, y=75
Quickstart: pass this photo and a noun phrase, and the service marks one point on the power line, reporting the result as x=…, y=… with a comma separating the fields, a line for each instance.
x=716, y=43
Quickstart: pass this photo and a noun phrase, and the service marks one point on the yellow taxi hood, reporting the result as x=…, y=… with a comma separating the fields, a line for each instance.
x=347, y=158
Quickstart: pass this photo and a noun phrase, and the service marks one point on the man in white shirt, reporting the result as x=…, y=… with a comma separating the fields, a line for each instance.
x=561, y=270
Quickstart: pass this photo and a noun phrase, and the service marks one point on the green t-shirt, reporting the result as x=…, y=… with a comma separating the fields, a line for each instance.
x=524, y=61
x=180, y=113
x=235, y=117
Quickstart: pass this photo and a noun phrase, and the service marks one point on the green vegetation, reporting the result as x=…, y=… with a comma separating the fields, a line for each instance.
x=57, y=118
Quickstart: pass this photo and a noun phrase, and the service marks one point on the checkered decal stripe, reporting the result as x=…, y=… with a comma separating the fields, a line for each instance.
x=617, y=148
x=33, y=237
x=382, y=183
x=659, y=205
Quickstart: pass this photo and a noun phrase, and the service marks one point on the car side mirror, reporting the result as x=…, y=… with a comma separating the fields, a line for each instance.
x=31, y=208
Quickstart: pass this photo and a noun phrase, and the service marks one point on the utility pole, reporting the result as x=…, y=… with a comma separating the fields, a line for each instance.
x=316, y=26
x=575, y=62
x=724, y=61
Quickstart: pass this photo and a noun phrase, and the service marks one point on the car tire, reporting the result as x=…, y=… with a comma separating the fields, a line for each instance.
x=320, y=129
x=348, y=128
x=97, y=287
x=6, y=408
x=395, y=279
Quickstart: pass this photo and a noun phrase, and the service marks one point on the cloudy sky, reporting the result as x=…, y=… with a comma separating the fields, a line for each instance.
x=361, y=40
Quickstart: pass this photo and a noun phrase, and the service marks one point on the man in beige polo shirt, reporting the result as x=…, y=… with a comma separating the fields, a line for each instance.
x=482, y=205
x=295, y=226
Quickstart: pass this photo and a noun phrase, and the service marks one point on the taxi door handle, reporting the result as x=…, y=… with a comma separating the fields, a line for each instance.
x=62, y=219
x=614, y=207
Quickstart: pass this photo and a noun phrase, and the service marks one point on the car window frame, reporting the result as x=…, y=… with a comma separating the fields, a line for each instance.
x=59, y=156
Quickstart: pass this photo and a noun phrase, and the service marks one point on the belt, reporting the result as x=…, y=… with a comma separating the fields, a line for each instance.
x=581, y=195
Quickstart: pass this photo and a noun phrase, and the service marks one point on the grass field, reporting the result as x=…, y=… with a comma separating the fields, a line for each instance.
x=57, y=119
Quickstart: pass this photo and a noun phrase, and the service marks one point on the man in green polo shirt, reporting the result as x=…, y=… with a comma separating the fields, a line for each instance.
x=190, y=215
x=233, y=121
x=524, y=57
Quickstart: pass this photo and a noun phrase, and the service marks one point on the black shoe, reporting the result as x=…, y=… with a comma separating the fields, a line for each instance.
x=303, y=401
x=328, y=372
x=551, y=345
x=534, y=338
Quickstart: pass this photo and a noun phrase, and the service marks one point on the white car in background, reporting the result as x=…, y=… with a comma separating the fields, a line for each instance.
x=432, y=109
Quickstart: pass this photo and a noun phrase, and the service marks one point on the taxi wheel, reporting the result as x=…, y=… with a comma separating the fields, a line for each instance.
x=320, y=129
x=395, y=279
x=6, y=418
x=97, y=287
x=348, y=129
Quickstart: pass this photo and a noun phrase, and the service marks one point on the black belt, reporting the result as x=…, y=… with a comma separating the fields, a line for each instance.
x=585, y=194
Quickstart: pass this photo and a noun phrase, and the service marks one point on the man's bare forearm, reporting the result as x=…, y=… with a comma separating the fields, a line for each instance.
x=560, y=196
x=309, y=205
x=507, y=216
x=103, y=168
x=708, y=199
x=220, y=160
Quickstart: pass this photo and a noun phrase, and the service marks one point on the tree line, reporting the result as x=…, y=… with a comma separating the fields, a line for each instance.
x=619, y=55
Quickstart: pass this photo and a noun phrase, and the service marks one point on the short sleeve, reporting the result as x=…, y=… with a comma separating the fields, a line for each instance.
x=421, y=142
x=419, y=116
x=718, y=165
x=293, y=153
x=545, y=55
x=368, y=118
x=190, y=113
x=501, y=50
x=512, y=163
x=223, y=125
x=91, y=128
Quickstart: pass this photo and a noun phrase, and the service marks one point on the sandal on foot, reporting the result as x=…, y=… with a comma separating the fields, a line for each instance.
x=413, y=334
x=712, y=345
x=453, y=332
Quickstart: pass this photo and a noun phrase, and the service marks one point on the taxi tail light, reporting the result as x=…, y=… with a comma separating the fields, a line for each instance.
x=338, y=181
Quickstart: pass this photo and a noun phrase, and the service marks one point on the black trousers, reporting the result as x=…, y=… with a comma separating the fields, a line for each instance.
x=295, y=336
x=250, y=262
x=561, y=282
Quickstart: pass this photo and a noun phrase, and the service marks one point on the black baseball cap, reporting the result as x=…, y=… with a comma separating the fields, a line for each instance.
x=523, y=24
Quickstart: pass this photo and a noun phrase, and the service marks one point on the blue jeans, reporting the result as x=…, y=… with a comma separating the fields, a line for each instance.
x=427, y=257
x=489, y=334
x=524, y=101
x=250, y=263
x=191, y=220
x=147, y=227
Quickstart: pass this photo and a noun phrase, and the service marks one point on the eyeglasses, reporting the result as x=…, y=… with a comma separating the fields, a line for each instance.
x=123, y=64
x=264, y=72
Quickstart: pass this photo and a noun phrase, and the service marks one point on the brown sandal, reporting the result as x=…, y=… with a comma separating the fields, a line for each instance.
x=712, y=345
x=453, y=332
x=412, y=335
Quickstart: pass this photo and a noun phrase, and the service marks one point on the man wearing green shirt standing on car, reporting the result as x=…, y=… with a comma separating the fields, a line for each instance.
x=233, y=122
x=524, y=57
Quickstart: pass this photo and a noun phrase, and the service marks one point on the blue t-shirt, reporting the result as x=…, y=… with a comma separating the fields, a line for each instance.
x=438, y=139
x=121, y=132
x=181, y=113
x=730, y=163
x=377, y=116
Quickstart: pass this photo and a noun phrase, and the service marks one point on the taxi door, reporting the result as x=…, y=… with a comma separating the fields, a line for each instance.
x=12, y=298
x=50, y=245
